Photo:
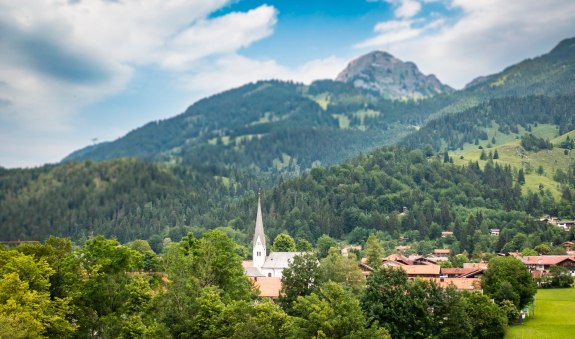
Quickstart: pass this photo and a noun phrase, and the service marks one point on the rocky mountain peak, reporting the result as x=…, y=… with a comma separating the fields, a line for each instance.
x=391, y=77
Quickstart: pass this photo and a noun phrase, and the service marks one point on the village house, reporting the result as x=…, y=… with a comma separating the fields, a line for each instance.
x=421, y=271
x=441, y=253
x=549, y=219
x=540, y=264
x=446, y=234
x=565, y=224
x=494, y=232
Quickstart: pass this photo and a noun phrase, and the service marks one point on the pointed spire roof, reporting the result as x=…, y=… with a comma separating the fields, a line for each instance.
x=259, y=224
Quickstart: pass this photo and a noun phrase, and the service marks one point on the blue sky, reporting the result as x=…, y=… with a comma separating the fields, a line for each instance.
x=75, y=71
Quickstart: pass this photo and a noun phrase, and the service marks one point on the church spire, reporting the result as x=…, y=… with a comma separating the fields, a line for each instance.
x=259, y=244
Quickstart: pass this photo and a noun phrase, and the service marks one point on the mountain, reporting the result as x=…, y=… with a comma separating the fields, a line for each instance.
x=269, y=126
x=549, y=74
x=280, y=127
x=392, y=78
x=198, y=170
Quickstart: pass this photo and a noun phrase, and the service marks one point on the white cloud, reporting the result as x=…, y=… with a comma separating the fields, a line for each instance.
x=407, y=8
x=59, y=56
x=235, y=70
x=487, y=36
x=218, y=36
x=396, y=31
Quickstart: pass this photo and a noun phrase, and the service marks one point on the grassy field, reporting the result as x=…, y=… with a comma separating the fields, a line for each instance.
x=510, y=152
x=554, y=316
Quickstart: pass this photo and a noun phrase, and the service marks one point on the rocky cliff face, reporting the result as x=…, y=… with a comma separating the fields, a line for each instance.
x=381, y=72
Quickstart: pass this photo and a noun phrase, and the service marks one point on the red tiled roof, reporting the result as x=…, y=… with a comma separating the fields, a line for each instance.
x=546, y=259
x=269, y=286
x=458, y=283
x=421, y=269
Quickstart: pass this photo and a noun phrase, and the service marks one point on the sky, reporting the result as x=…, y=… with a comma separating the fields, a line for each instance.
x=77, y=72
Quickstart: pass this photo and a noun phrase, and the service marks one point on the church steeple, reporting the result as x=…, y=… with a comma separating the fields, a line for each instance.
x=259, y=244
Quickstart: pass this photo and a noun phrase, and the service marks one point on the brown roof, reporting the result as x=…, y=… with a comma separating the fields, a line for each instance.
x=462, y=272
x=546, y=259
x=421, y=269
x=458, y=283
x=269, y=286
x=247, y=263
x=399, y=258
x=475, y=265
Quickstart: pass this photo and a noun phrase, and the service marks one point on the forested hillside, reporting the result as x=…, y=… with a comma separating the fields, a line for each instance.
x=452, y=131
x=200, y=170
x=125, y=199
x=354, y=199
x=128, y=199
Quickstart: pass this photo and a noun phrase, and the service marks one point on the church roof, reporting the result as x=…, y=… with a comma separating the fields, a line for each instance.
x=280, y=259
x=254, y=272
x=259, y=231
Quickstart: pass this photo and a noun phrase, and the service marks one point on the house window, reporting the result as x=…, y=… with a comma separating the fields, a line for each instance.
x=259, y=254
x=269, y=275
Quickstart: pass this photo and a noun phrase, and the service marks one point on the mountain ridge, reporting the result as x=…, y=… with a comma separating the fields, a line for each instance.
x=268, y=126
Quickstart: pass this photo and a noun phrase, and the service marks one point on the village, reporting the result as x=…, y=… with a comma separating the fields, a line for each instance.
x=266, y=271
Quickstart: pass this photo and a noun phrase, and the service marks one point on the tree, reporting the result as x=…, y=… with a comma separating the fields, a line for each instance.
x=303, y=245
x=386, y=300
x=343, y=270
x=374, y=251
x=487, y=319
x=332, y=312
x=205, y=273
x=496, y=155
x=300, y=279
x=558, y=277
x=324, y=243
x=521, y=177
x=98, y=282
x=543, y=249
x=503, y=272
x=141, y=246
x=26, y=313
x=283, y=243
x=509, y=308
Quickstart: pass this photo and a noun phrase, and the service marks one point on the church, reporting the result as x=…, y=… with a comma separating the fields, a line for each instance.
x=263, y=265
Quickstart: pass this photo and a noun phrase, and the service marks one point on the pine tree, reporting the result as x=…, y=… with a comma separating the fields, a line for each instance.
x=495, y=155
x=521, y=177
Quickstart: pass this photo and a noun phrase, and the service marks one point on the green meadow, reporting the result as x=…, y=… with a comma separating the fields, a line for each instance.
x=554, y=316
x=510, y=152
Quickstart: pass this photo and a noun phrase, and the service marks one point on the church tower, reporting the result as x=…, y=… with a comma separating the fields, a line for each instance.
x=259, y=245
